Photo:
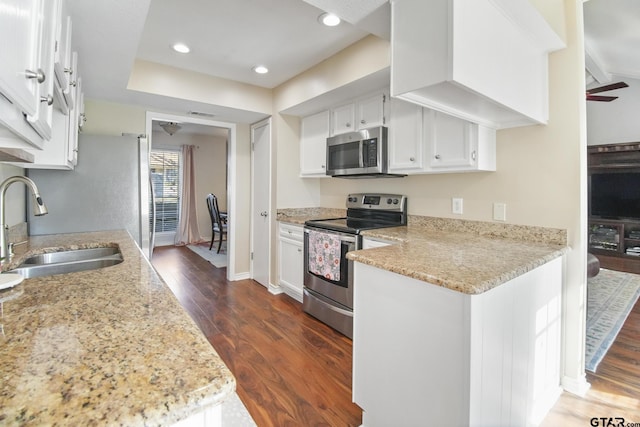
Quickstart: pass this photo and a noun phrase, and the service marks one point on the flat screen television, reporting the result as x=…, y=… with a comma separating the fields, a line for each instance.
x=615, y=195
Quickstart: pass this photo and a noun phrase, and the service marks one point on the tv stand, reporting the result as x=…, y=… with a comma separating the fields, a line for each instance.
x=614, y=243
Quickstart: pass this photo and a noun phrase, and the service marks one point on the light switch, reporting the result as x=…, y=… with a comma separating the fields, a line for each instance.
x=500, y=211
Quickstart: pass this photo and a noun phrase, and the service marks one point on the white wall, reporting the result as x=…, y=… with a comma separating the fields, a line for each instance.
x=210, y=163
x=615, y=121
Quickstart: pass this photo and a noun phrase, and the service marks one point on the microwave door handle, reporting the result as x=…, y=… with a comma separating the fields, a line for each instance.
x=360, y=152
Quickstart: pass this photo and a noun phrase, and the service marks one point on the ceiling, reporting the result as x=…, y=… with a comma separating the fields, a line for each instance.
x=229, y=37
x=612, y=39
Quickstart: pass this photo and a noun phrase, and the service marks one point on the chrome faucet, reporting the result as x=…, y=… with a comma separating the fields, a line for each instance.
x=38, y=209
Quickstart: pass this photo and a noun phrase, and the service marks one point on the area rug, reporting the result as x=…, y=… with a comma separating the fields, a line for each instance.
x=610, y=297
x=218, y=260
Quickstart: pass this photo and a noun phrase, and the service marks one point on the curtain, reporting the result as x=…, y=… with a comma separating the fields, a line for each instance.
x=188, y=231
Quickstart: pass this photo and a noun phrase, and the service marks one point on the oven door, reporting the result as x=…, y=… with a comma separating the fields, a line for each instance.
x=341, y=290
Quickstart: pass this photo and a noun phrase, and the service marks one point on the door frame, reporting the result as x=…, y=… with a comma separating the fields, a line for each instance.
x=269, y=122
x=232, y=168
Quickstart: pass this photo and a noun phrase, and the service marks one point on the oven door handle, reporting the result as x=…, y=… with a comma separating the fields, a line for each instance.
x=344, y=238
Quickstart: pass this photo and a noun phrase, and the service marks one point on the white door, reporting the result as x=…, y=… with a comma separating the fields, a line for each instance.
x=260, y=204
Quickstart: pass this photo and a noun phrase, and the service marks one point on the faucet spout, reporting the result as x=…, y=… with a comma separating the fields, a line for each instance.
x=39, y=209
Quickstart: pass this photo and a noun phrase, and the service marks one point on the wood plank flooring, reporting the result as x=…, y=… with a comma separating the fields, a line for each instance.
x=615, y=387
x=291, y=370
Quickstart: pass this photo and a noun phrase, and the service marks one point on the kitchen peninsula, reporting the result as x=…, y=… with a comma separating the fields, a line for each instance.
x=110, y=346
x=462, y=320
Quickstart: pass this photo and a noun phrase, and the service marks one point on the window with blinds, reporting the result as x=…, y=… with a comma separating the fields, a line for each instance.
x=165, y=175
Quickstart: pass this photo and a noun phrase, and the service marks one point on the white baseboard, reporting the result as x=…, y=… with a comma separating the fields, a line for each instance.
x=294, y=293
x=578, y=386
x=240, y=276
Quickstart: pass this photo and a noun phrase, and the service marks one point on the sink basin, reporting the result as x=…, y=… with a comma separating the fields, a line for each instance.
x=69, y=261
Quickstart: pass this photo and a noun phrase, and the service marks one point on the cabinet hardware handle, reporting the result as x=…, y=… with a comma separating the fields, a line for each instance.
x=348, y=125
x=74, y=84
x=437, y=156
x=412, y=159
x=473, y=155
x=48, y=99
x=263, y=213
x=35, y=75
x=323, y=166
x=299, y=250
x=363, y=121
x=68, y=71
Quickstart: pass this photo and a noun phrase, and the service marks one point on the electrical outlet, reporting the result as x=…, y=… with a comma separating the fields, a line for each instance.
x=500, y=211
x=456, y=205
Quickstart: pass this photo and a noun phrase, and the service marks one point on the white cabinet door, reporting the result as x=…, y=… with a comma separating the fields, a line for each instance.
x=62, y=58
x=406, y=152
x=313, y=145
x=451, y=141
x=371, y=111
x=291, y=262
x=42, y=120
x=343, y=119
x=20, y=76
x=456, y=145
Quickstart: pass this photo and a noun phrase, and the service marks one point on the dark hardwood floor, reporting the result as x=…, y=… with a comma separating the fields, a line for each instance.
x=291, y=370
x=615, y=387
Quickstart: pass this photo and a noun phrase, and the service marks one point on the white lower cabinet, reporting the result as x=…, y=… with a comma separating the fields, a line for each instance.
x=447, y=358
x=291, y=259
x=370, y=242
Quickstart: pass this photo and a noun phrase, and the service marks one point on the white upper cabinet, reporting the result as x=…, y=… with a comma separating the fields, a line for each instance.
x=456, y=145
x=406, y=153
x=422, y=140
x=42, y=120
x=484, y=61
x=313, y=145
x=343, y=119
x=363, y=113
x=371, y=111
x=20, y=73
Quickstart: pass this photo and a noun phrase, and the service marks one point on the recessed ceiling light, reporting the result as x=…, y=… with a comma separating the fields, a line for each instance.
x=260, y=69
x=329, y=19
x=182, y=48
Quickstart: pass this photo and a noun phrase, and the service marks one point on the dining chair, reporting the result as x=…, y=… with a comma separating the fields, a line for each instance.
x=218, y=222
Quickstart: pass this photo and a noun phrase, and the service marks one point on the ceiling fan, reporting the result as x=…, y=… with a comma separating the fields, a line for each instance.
x=612, y=86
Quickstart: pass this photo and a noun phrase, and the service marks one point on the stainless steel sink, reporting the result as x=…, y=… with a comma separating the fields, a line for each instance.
x=69, y=261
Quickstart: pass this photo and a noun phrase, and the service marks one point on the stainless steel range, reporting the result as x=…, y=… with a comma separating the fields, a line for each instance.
x=328, y=275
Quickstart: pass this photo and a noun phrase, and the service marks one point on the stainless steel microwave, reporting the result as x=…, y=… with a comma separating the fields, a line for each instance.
x=359, y=154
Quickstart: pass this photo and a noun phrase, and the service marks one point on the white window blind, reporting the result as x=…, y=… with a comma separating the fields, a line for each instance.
x=165, y=175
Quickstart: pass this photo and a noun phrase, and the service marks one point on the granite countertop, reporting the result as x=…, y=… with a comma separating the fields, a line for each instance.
x=467, y=262
x=471, y=257
x=110, y=346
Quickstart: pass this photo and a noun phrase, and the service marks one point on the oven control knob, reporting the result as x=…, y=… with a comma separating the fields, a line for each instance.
x=395, y=201
x=352, y=199
x=389, y=201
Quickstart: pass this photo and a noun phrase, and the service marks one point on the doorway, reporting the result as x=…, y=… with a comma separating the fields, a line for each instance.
x=214, y=144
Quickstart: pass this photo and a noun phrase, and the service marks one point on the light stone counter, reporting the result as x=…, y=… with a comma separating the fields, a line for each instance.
x=298, y=216
x=110, y=346
x=471, y=257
